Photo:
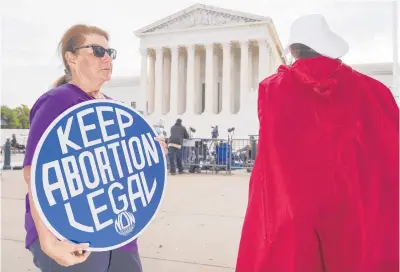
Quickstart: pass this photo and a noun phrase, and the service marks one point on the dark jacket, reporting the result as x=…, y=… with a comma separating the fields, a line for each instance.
x=178, y=133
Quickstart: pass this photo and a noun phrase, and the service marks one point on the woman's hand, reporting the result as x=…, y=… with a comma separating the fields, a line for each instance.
x=163, y=144
x=64, y=252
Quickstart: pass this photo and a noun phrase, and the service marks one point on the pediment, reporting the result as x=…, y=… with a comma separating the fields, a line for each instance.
x=199, y=16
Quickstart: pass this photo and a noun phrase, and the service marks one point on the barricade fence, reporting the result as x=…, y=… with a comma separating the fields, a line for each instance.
x=217, y=155
x=198, y=155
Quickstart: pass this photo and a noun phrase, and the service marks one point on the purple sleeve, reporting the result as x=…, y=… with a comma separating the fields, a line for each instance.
x=42, y=114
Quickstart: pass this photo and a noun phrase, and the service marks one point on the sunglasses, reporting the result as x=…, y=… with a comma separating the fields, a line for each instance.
x=99, y=51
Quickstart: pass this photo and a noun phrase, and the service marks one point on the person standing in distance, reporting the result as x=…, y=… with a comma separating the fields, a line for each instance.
x=87, y=58
x=324, y=191
x=175, y=142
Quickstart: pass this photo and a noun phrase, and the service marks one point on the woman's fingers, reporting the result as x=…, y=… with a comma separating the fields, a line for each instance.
x=69, y=253
x=162, y=143
x=72, y=247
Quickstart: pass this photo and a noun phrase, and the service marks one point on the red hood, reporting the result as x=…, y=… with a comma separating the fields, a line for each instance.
x=319, y=74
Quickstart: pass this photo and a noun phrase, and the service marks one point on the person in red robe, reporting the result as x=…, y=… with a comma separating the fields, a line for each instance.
x=324, y=190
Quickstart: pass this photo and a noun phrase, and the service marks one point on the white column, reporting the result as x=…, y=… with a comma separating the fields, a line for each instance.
x=396, y=67
x=197, y=84
x=182, y=84
x=235, y=81
x=158, y=81
x=173, y=109
x=190, y=83
x=244, y=72
x=263, y=56
x=216, y=79
x=209, y=78
x=226, y=78
x=166, y=83
x=250, y=68
x=152, y=82
x=144, y=82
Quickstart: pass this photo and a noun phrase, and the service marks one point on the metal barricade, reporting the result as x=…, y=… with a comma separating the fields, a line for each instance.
x=216, y=155
x=205, y=155
x=244, y=153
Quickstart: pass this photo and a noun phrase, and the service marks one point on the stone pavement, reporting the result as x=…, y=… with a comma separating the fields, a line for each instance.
x=17, y=160
x=197, y=228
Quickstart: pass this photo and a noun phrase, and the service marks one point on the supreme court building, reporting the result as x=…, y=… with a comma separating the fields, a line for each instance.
x=203, y=65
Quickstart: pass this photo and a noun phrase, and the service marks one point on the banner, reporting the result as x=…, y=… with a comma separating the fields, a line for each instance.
x=98, y=175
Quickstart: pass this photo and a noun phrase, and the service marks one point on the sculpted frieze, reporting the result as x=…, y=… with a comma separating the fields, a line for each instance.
x=201, y=18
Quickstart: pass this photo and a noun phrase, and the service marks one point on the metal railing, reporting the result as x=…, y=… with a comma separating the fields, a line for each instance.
x=198, y=155
x=216, y=155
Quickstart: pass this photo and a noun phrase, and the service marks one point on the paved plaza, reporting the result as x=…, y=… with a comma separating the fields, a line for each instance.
x=197, y=228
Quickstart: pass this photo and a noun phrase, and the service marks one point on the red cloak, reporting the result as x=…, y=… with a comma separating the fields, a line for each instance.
x=324, y=191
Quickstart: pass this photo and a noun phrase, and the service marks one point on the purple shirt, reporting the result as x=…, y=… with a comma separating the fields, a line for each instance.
x=44, y=111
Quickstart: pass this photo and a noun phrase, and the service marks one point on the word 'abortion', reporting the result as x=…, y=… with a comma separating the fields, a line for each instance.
x=117, y=165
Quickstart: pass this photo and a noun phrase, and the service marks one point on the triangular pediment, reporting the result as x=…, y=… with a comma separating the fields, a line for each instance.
x=199, y=16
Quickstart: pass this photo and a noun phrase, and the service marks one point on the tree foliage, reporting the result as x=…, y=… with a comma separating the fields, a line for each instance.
x=17, y=118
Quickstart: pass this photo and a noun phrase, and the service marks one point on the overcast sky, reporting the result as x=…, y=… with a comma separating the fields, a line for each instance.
x=31, y=30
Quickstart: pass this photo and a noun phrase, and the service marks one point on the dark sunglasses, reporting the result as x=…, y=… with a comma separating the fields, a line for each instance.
x=99, y=51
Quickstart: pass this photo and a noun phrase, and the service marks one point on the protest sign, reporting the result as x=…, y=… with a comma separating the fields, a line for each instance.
x=98, y=175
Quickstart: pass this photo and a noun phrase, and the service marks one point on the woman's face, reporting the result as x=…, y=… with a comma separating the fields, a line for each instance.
x=88, y=62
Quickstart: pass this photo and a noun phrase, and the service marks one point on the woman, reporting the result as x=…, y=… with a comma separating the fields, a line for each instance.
x=324, y=190
x=88, y=64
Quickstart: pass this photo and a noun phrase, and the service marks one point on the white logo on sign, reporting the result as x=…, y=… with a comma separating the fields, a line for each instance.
x=125, y=223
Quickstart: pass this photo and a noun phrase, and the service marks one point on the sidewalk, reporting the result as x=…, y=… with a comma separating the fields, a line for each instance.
x=197, y=228
x=17, y=160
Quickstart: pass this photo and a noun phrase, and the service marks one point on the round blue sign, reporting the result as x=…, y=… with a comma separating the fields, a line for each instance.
x=98, y=175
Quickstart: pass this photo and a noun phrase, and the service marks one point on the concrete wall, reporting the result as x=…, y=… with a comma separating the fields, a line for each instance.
x=379, y=71
x=126, y=90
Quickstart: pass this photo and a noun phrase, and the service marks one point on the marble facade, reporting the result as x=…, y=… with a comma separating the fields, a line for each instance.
x=203, y=64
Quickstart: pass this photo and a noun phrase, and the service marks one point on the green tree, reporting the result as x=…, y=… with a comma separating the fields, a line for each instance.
x=15, y=118
x=5, y=113
x=23, y=116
